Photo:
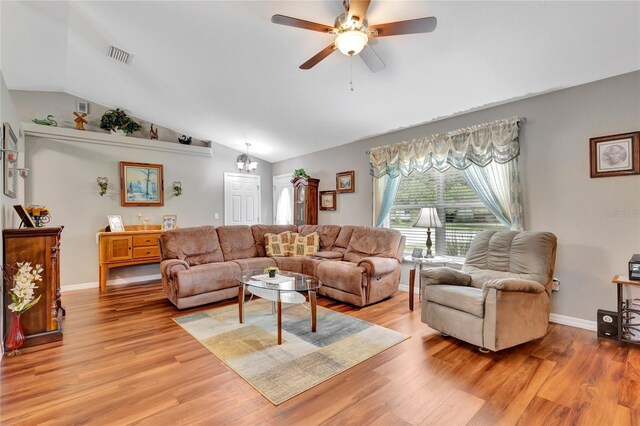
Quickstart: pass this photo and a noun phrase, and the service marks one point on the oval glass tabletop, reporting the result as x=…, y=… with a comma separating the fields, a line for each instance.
x=283, y=281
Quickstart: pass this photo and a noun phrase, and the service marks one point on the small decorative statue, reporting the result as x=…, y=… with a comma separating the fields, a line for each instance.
x=49, y=121
x=185, y=140
x=153, y=133
x=80, y=121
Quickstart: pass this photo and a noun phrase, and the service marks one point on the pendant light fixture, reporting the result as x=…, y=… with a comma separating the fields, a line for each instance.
x=245, y=163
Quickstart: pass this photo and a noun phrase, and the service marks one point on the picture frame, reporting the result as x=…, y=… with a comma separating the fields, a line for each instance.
x=27, y=220
x=141, y=184
x=328, y=200
x=417, y=253
x=115, y=223
x=169, y=221
x=615, y=155
x=346, y=182
x=10, y=170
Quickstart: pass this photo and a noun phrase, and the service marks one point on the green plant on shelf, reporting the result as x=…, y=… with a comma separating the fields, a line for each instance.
x=300, y=173
x=117, y=119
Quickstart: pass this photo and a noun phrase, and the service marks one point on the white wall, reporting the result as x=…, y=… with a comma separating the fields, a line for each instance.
x=596, y=220
x=63, y=177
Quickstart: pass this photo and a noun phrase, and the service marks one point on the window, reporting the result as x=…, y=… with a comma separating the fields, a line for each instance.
x=460, y=210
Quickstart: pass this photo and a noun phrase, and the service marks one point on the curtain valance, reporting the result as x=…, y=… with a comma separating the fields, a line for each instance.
x=480, y=144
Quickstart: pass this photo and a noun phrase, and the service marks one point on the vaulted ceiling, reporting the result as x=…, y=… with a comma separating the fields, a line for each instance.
x=222, y=71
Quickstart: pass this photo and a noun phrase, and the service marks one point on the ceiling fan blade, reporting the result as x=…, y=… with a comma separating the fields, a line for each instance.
x=318, y=57
x=412, y=26
x=358, y=8
x=299, y=23
x=371, y=58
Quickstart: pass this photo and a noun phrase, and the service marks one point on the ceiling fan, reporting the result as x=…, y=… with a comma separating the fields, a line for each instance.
x=353, y=32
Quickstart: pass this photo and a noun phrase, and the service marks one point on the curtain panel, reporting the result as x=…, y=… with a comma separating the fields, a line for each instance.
x=479, y=145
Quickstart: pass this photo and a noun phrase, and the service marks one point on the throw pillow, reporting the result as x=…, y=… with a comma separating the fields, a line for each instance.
x=289, y=242
x=307, y=245
x=273, y=245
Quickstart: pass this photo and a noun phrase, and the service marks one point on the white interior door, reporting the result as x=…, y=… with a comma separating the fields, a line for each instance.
x=241, y=199
x=283, y=199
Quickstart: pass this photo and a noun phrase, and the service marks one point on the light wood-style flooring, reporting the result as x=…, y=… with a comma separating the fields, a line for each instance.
x=124, y=361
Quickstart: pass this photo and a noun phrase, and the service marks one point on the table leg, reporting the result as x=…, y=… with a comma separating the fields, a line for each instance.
x=412, y=284
x=418, y=273
x=279, y=320
x=312, y=301
x=240, y=302
x=102, y=277
x=620, y=313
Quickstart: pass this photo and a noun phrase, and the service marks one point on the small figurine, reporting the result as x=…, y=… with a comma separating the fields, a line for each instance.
x=185, y=140
x=80, y=121
x=49, y=121
x=153, y=133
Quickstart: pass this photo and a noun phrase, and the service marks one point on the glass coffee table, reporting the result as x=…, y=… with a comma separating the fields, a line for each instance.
x=286, y=287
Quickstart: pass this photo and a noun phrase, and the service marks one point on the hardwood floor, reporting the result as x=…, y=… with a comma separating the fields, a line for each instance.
x=124, y=361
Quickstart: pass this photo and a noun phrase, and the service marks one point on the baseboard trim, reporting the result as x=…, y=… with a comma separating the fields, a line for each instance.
x=555, y=318
x=117, y=281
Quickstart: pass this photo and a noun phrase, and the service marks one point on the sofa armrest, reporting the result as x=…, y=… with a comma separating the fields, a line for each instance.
x=377, y=266
x=513, y=284
x=171, y=267
x=328, y=255
x=444, y=275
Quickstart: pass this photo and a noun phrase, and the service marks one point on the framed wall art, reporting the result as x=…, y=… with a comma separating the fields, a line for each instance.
x=328, y=200
x=169, y=221
x=10, y=170
x=615, y=155
x=346, y=182
x=141, y=184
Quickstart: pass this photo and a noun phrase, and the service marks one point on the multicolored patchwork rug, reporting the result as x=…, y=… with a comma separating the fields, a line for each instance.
x=305, y=359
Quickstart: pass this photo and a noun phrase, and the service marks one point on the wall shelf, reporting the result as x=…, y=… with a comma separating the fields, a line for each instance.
x=86, y=136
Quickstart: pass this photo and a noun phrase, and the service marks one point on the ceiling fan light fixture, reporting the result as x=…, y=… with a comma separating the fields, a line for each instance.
x=351, y=42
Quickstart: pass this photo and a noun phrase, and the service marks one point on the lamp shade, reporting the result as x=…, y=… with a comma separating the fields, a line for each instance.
x=351, y=42
x=428, y=218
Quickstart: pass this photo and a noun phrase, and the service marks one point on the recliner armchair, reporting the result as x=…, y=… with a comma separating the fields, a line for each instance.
x=501, y=297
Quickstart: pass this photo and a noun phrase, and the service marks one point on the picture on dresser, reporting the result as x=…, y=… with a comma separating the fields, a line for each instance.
x=169, y=221
x=115, y=223
x=141, y=184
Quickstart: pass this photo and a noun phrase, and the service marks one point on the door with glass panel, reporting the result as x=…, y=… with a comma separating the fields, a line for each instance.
x=283, y=199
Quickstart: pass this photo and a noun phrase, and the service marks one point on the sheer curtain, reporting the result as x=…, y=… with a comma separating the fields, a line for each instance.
x=384, y=194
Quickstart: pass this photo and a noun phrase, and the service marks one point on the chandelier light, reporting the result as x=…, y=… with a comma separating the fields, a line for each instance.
x=245, y=163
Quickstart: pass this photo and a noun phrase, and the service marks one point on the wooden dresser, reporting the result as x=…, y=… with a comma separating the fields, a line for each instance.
x=43, y=322
x=136, y=245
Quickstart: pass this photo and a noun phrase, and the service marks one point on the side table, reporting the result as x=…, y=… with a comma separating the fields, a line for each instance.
x=417, y=268
x=624, y=310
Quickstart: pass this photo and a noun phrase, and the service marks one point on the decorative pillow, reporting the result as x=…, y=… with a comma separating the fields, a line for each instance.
x=307, y=245
x=281, y=244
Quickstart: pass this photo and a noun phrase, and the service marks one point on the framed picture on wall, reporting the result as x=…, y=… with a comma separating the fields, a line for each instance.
x=141, y=184
x=169, y=221
x=615, y=155
x=10, y=169
x=346, y=182
x=328, y=200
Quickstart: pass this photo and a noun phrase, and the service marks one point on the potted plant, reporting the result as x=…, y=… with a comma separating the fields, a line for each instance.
x=272, y=271
x=300, y=173
x=23, y=299
x=117, y=121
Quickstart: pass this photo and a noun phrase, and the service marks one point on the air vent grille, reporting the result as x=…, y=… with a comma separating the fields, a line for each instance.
x=118, y=54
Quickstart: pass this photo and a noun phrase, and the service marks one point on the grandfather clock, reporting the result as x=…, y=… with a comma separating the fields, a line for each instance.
x=305, y=202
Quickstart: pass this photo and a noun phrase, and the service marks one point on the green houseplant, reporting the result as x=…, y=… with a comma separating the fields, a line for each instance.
x=300, y=173
x=115, y=120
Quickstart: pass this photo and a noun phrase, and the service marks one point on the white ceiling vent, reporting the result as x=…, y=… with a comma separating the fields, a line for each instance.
x=118, y=54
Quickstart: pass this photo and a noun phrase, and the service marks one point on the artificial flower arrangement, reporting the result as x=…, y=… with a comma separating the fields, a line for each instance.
x=24, y=283
x=272, y=271
x=116, y=119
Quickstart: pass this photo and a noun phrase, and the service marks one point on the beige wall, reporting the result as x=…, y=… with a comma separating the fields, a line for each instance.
x=64, y=176
x=596, y=220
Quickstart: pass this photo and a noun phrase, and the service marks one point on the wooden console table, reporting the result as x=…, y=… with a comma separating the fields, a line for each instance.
x=136, y=245
x=624, y=310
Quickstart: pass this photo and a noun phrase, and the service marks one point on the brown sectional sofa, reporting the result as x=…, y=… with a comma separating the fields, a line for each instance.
x=359, y=265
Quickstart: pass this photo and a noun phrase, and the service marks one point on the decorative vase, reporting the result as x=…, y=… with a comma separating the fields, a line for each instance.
x=15, y=337
x=272, y=273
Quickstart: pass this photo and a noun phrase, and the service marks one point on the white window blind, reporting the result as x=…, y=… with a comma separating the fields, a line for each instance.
x=460, y=210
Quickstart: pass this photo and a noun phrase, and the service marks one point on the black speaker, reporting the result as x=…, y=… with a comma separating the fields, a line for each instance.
x=607, y=324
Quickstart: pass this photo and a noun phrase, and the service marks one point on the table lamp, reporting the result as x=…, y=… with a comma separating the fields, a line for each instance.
x=428, y=218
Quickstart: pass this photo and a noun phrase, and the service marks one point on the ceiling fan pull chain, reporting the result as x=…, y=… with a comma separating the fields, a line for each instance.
x=351, y=72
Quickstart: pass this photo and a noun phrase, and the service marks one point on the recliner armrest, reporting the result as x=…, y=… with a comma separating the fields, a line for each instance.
x=171, y=267
x=444, y=275
x=377, y=266
x=513, y=284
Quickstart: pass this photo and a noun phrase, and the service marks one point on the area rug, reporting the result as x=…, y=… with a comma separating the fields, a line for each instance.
x=305, y=359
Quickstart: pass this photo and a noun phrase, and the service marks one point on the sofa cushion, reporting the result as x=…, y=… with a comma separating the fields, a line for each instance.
x=236, y=242
x=259, y=232
x=307, y=245
x=368, y=241
x=290, y=263
x=345, y=276
x=329, y=255
x=195, y=246
x=328, y=234
x=207, y=277
x=255, y=263
x=462, y=298
x=344, y=236
x=274, y=245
